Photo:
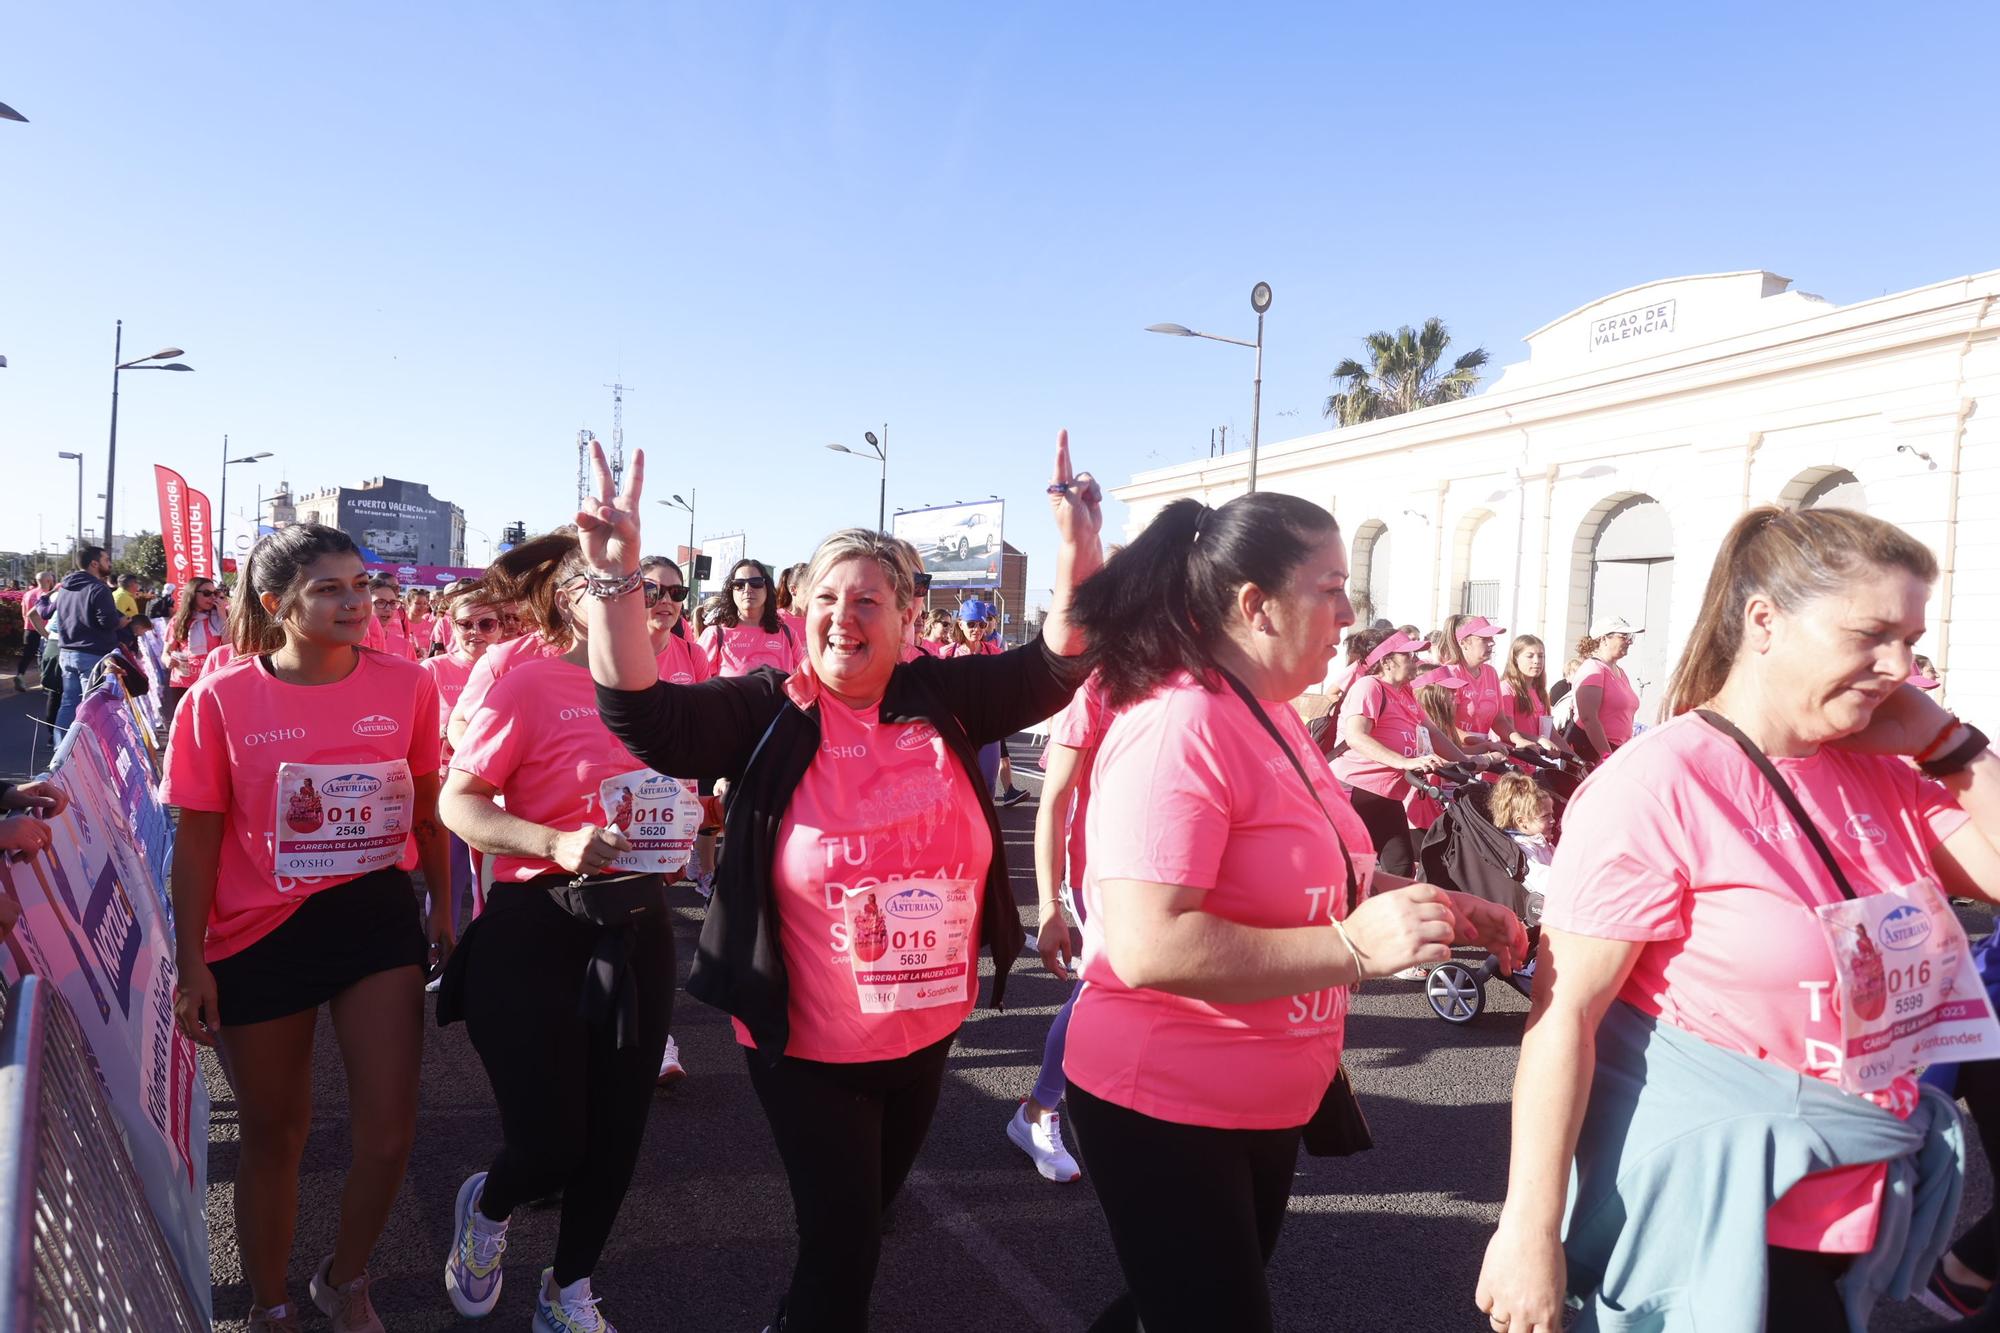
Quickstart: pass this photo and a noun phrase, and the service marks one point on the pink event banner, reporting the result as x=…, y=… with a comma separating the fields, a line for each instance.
x=174, y=524
x=201, y=536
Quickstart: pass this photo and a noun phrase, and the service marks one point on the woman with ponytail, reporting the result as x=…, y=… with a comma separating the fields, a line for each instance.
x=566, y=980
x=197, y=629
x=1384, y=731
x=1744, y=929
x=303, y=772
x=1232, y=899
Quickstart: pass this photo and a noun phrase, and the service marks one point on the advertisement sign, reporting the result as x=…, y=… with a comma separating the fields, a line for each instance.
x=423, y=576
x=960, y=544
x=723, y=553
x=201, y=535
x=92, y=926
x=173, y=490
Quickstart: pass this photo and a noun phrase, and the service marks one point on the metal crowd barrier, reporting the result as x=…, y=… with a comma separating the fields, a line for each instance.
x=79, y=1248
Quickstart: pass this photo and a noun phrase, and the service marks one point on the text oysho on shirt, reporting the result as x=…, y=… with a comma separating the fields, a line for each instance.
x=741, y=649
x=881, y=803
x=1679, y=843
x=238, y=726
x=1396, y=716
x=537, y=738
x=1189, y=790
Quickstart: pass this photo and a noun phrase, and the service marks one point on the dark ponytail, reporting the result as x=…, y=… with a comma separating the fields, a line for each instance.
x=1160, y=606
x=533, y=574
x=277, y=565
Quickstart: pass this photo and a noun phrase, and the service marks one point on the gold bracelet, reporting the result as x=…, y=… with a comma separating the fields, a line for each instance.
x=1352, y=952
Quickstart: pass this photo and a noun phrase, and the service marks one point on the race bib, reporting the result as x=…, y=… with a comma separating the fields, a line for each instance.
x=341, y=819
x=910, y=943
x=1545, y=726
x=658, y=815
x=1424, y=741
x=1909, y=991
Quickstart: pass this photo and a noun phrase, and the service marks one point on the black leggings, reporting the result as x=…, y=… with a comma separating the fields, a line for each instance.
x=572, y=1105
x=1194, y=1214
x=1389, y=830
x=848, y=1134
x=1802, y=1297
x=1979, y=1086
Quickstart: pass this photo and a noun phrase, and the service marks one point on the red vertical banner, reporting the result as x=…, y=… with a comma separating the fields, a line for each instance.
x=174, y=524
x=201, y=535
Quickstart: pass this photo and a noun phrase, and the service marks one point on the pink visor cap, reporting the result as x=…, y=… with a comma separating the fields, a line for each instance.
x=1479, y=627
x=1398, y=642
x=1442, y=677
x=1922, y=682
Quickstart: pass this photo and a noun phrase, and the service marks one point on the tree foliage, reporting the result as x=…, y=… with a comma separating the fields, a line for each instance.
x=146, y=556
x=1403, y=374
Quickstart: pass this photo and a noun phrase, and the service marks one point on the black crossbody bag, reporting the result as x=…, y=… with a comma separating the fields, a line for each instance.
x=1337, y=1128
x=1785, y=794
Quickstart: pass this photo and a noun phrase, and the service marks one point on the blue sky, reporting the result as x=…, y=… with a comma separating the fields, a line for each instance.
x=418, y=239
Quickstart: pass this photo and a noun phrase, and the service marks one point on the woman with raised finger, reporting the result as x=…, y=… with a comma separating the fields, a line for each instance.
x=566, y=980
x=1222, y=930
x=863, y=869
x=1746, y=961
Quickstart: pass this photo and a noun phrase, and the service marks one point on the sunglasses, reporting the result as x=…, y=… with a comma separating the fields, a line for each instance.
x=655, y=591
x=483, y=625
x=759, y=582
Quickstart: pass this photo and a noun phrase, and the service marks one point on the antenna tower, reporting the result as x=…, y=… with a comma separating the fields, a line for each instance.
x=583, y=487
x=617, y=436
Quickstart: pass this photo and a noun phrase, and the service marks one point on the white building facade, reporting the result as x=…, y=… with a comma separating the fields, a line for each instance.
x=1600, y=474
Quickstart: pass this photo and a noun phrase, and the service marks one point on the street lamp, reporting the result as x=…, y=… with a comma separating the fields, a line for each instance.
x=879, y=449
x=79, y=491
x=1260, y=301
x=693, y=572
x=111, y=460
x=222, y=510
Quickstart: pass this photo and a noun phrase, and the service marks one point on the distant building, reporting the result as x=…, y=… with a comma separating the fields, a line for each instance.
x=1011, y=597
x=394, y=521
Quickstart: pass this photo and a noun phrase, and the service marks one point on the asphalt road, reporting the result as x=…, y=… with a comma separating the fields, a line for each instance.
x=1391, y=1239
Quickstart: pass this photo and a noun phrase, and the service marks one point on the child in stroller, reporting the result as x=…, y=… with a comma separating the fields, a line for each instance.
x=1494, y=841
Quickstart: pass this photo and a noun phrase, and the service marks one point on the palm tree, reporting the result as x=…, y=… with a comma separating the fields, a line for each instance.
x=1404, y=375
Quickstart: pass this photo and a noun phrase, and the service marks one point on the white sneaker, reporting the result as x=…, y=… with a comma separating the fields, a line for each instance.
x=1043, y=1143
x=705, y=885
x=472, y=1273
x=571, y=1310
x=1413, y=974
x=671, y=1069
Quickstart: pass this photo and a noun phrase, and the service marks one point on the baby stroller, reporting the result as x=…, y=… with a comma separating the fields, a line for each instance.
x=1464, y=851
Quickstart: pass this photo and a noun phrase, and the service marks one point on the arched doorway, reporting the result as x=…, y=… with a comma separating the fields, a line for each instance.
x=1480, y=558
x=1825, y=488
x=1625, y=558
x=1368, y=571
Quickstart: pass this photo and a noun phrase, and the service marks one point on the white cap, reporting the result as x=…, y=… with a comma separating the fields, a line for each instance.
x=1608, y=625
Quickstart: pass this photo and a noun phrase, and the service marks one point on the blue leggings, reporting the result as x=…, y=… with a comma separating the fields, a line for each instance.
x=989, y=765
x=1050, y=1084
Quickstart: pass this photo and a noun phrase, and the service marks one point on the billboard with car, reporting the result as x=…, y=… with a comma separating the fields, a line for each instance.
x=960, y=544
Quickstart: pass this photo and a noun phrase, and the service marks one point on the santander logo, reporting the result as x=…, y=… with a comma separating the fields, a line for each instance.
x=377, y=724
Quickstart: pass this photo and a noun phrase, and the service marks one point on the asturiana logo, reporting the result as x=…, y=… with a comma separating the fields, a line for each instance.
x=1905, y=928
x=377, y=724
x=917, y=736
x=352, y=786
x=914, y=904
x=657, y=788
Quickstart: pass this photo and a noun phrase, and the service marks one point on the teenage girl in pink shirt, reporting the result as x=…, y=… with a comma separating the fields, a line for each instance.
x=197, y=629
x=1692, y=898
x=1228, y=903
x=469, y=608
x=1465, y=648
x=308, y=749
x=1524, y=696
x=391, y=619
x=426, y=633
x=863, y=870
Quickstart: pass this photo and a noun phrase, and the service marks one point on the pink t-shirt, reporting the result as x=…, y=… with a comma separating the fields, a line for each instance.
x=373, y=637
x=218, y=658
x=1619, y=702
x=741, y=650
x=233, y=730
x=423, y=633
x=1522, y=717
x=883, y=802
x=1396, y=715
x=1679, y=843
x=205, y=633
x=397, y=638
x=1189, y=790
x=794, y=622
x=1475, y=706
x=450, y=670
x=682, y=662
x=496, y=662
x=984, y=648
x=537, y=738
x=1080, y=726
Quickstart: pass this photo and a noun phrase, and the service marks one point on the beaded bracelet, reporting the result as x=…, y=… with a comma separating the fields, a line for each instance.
x=1951, y=724
x=609, y=588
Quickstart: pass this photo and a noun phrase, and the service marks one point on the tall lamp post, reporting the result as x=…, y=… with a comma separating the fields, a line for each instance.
x=117, y=364
x=79, y=492
x=693, y=571
x=879, y=449
x=222, y=509
x=1260, y=301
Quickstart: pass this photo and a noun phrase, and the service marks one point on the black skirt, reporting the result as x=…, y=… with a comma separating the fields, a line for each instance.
x=338, y=936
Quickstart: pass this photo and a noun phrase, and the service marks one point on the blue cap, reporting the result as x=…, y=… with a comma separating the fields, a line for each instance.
x=975, y=610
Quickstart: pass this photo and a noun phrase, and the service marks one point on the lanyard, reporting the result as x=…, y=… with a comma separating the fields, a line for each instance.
x=1271, y=730
x=1785, y=794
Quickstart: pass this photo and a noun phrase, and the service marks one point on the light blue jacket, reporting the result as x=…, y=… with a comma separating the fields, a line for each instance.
x=1685, y=1147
